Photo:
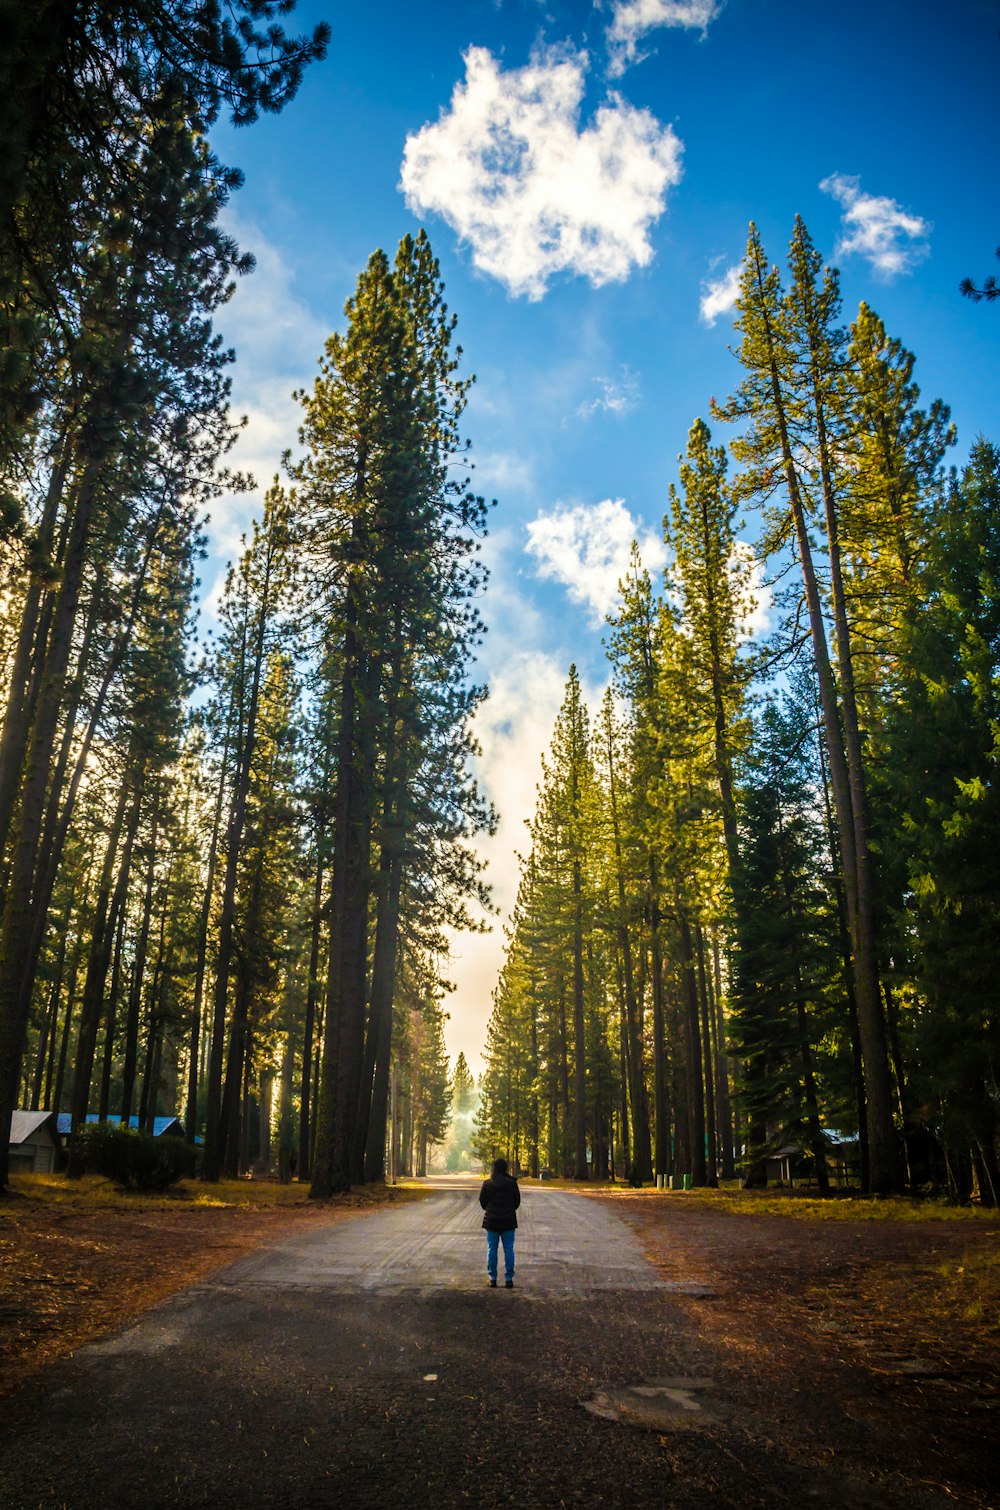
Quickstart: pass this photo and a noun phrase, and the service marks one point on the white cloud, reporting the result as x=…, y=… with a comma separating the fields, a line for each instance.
x=510, y=170
x=718, y=295
x=587, y=549
x=632, y=19
x=617, y=396
x=876, y=227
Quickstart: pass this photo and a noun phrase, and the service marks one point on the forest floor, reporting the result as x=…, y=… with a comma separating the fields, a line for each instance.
x=80, y=1259
x=888, y=1276
x=908, y=1291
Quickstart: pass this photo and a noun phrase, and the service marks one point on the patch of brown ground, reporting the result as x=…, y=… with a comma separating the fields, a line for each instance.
x=911, y=1303
x=78, y=1263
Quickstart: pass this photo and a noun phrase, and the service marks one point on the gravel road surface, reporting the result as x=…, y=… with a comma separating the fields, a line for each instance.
x=367, y=1364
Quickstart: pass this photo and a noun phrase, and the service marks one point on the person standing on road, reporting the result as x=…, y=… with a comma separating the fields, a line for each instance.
x=500, y=1198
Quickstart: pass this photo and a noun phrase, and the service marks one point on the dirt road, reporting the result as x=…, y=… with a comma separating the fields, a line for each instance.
x=367, y=1364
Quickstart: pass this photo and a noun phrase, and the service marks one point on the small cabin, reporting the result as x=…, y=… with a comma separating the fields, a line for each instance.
x=34, y=1143
x=794, y=1164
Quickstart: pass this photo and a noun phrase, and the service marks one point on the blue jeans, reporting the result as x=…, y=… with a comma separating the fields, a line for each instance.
x=493, y=1241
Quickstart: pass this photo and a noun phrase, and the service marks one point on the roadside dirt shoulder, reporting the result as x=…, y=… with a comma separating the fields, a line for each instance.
x=895, y=1320
x=72, y=1272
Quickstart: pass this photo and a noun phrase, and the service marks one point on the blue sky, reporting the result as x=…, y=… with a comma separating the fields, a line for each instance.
x=586, y=175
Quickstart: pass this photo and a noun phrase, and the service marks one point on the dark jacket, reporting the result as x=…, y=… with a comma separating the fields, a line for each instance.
x=500, y=1198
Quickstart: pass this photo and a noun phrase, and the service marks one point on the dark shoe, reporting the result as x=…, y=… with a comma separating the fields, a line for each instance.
x=493, y=1284
x=508, y=1284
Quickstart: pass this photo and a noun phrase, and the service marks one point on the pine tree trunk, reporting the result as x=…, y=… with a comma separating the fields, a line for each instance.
x=372, y=1116
x=694, y=1077
x=564, y=1165
x=343, y=1048
x=236, y=1057
x=18, y=915
x=816, y=1142
x=661, y=1109
x=309, y=1027
x=98, y=963
x=74, y=975
x=368, y=1150
x=18, y=714
x=711, y=1135
x=624, y=1070
x=535, y=1129
x=131, y=1058
x=881, y=1133
x=201, y=959
x=641, y=1154
x=725, y=1108
x=286, y=1136
x=48, y=1033
x=114, y=993
x=265, y=1092
x=882, y=1141
x=580, y=1170
x=844, y=940
x=246, y=742
x=147, y=1092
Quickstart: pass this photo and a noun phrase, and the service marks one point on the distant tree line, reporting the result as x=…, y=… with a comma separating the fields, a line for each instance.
x=761, y=904
x=224, y=873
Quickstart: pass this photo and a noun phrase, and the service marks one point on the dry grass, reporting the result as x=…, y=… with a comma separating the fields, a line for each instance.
x=93, y=1193
x=805, y=1206
x=970, y=1287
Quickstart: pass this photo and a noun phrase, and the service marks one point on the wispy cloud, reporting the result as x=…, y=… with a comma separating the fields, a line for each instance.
x=892, y=239
x=634, y=19
x=510, y=169
x=278, y=340
x=616, y=396
x=502, y=471
x=586, y=547
x=718, y=295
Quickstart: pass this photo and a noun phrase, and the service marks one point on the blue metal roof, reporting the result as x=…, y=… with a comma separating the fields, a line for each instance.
x=170, y=1126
